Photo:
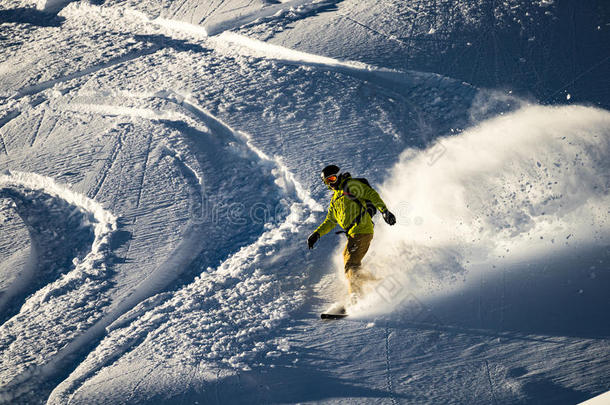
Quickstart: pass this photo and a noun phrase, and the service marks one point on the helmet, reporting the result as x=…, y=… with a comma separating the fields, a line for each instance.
x=328, y=171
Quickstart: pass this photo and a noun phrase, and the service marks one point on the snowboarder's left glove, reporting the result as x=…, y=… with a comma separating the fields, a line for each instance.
x=313, y=238
x=388, y=217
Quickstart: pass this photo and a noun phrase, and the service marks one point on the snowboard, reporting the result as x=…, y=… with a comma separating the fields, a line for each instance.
x=332, y=316
x=336, y=311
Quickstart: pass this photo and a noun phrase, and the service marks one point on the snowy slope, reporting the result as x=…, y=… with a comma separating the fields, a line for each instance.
x=160, y=166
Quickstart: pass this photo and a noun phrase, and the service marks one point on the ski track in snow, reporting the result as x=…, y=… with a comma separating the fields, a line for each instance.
x=87, y=272
x=8, y=117
x=2, y=144
x=225, y=41
x=188, y=248
x=116, y=148
x=388, y=370
x=271, y=10
x=240, y=270
x=190, y=245
x=39, y=87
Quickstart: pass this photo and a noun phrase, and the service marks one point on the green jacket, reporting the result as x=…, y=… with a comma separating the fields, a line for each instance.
x=343, y=210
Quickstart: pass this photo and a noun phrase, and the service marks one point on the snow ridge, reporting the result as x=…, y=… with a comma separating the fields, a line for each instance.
x=51, y=6
x=231, y=42
x=215, y=23
x=69, y=294
x=284, y=179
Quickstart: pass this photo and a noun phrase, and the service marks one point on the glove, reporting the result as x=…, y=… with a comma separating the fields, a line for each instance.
x=388, y=217
x=313, y=238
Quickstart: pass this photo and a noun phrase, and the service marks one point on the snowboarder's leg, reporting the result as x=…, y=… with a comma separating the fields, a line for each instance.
x=354, y=252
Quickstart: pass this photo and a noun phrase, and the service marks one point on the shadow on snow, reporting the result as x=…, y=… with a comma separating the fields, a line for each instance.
x=32, y=16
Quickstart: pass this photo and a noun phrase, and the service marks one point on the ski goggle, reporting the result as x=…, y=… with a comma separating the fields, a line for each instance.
x=329, y=179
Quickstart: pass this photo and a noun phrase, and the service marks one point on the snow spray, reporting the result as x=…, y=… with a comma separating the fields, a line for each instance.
x=520, y=185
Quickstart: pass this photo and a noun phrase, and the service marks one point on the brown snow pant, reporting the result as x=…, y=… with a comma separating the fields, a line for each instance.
x=354, y=251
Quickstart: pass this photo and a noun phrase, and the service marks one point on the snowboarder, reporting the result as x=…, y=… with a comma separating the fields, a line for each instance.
x=352, y=206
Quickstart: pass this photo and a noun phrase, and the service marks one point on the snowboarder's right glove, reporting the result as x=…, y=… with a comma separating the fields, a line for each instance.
x=313, y=238
x=388, y=217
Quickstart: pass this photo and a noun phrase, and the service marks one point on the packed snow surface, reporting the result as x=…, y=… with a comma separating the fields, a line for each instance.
x=159, y=176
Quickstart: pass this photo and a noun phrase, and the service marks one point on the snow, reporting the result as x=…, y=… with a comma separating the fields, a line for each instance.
x=452, y=228
x=600, y=399
x=51, y=6
x=86, y=274
x=159, y=177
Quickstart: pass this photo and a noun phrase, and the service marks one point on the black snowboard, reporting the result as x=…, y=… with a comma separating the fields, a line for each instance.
x=333, y=316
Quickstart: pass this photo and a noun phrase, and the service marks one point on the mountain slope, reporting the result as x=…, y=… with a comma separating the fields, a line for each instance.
x=162, y=178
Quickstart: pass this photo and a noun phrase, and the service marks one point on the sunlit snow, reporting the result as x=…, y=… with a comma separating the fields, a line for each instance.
x=159, y=176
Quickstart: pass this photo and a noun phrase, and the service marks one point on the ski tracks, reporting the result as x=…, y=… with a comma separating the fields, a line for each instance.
x=389, y=384
x=3, y=145
x=197, y=123
x=105, y=169
x=217, y=294
x=39, y=87
x=8, y=117
x=78, y=294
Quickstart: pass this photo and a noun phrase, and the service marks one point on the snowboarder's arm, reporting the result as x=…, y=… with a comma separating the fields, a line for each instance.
x=328, y=224
x=370, y=194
